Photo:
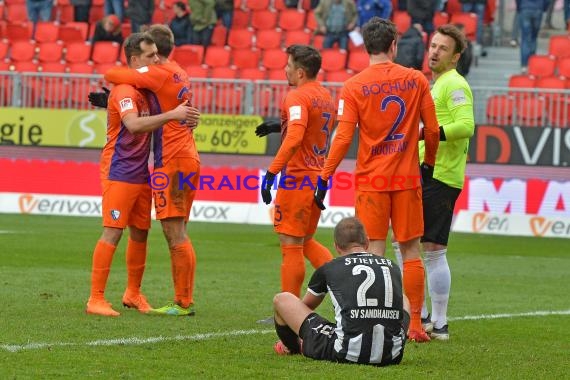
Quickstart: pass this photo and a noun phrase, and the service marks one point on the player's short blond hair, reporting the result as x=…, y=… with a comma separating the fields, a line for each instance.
x=350, y=232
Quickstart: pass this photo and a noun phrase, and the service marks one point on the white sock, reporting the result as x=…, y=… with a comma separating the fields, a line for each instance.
x=439, y=279
x=425, y=311
x=398, y=254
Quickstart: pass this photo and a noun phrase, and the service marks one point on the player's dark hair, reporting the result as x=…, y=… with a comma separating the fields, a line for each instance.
x=132, y=45
x=378, y=35
x=349, y=232
x=163, y=38
x=307, y=58
x=456, y=34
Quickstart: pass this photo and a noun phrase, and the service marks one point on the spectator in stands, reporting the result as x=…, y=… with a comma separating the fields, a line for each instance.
x=335, y=18
x=39, y=10
x=81, y=10
x=411, y=48
x=567, y=13
x=464, y=63
x=140, y=13
x=477, y=7
x=115, y=7
x=515, y=31
x=422, y=12
x=370, y=8
x=225, y=11
x=108, y=29
x=530, y=18
x=180, y=24
x=203, y=18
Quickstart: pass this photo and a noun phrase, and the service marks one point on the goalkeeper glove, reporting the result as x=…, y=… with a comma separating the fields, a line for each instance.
x=321, y=192
x=267, y=127
x=99, y=99
x=427, y=172
x=266, y=185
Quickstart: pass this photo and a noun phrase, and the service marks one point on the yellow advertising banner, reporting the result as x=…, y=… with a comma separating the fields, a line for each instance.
x=87, y=129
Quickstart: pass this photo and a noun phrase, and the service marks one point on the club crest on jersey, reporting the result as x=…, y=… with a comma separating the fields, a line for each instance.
x=126, y=104
x=115, y=214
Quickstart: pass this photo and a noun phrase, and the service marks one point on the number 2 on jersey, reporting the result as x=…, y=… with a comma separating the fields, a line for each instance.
x=392, y=136
x=361, y=299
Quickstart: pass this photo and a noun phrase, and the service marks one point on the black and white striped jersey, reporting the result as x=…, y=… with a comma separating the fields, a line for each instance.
x=366, y=292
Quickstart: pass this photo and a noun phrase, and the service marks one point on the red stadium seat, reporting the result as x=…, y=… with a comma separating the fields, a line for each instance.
x=188, y=55
x=46, y=32
x=240, y=38
x=24, y=66
x=252, y=74
x=541, y=65
x=102, y=67
x=559, y=46
x=3, y=49
x=301, y=37
x=564, y=67
x=268, y=39
x=197, y=71
x=223, y=73
x=318, y=42
x=219, y=36
x=521, y=82
x=500, y=109
x=440, y=18
x=52, y=67
x=50, y=51
x=311, y=21
x=16, y=32
x=217, y=56
x=246, y=58
x=96, y=13
x=292, y=19
x=530, y=111
x=22, y=51
x=358, y=60
x=105, y=52
x=80, y=68
x=257, y=4
x=264, y=19
x=469, y=20
x=228, y=99
x=16, y=13
x=559, y=113
x=453, y=6
x=338, y=76
x=279, y=5
x=274, y=59
x=77, y=52
x=402, y=20
x=65, y=13
x=241, y=19
x=276, y=74
x=73, y=32
x=333, y=59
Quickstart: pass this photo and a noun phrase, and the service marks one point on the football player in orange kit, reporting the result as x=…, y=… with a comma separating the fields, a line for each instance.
x=387, y=101
x=124, y=178
x=176, y=156
x=307, y=116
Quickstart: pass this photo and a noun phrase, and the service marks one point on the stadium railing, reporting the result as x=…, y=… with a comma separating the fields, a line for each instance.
x=492, y=105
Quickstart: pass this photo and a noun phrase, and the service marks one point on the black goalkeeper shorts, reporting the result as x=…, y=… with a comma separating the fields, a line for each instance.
x=438, y=203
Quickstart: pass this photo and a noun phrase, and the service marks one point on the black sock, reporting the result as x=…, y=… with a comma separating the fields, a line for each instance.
x=288, y=337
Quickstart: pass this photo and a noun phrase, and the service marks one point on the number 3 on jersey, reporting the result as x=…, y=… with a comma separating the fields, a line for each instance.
x=326, y=131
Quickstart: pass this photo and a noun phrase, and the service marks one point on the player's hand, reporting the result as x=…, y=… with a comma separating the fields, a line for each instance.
x=266, y=186
x=321, y=192
x=194, y=119
x=427, y=172
x=267, y=127
x=182, y=112
x=99, y=99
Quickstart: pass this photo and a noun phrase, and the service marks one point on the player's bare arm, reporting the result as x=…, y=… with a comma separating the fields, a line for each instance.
x=136, y=124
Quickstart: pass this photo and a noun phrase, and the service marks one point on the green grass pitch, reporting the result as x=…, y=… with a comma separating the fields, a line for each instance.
x=44, y=332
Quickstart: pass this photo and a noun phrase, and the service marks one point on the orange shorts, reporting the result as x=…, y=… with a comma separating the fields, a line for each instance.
x=295, y=214
x=175, y=200
x=126, y=204
x=403, y=208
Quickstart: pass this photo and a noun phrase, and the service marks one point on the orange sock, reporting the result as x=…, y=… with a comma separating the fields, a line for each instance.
x=292, y=269
x=316, y=253
x=191, y=272
x=102, y=259
x=179, y=254
x=136, y=259
x=414, y=288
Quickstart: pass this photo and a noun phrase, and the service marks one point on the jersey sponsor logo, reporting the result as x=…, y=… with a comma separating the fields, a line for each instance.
x=458, y=97
x=143, y=69
x=115, y=214
x=340, y=107
x=294, y=113
x=126, y=104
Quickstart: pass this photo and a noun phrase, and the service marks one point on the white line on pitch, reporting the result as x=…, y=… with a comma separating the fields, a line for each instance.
x=207, y=336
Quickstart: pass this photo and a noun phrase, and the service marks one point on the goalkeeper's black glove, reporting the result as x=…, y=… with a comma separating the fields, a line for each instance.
x=266, y=186
x=99, y=99
x=427, y=172
x=321, y=192
x=267, y=127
